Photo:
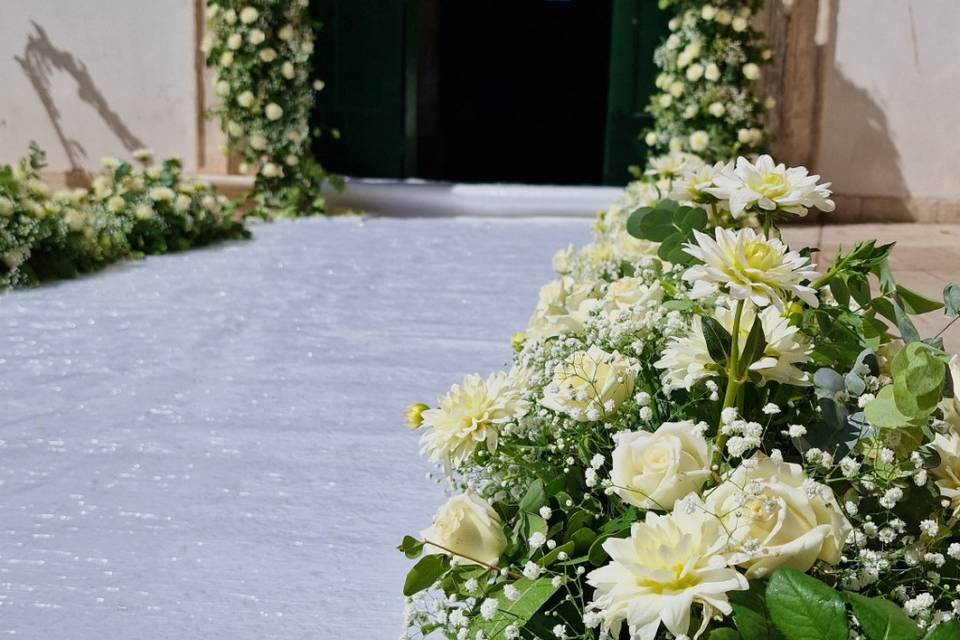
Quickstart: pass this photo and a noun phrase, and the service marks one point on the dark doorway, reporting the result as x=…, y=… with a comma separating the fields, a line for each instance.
x=521, y=92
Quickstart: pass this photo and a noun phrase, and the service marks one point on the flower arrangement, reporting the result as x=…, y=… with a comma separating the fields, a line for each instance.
x=128, y=212
x=702, y=436
x=708, y=100
x=262, y=51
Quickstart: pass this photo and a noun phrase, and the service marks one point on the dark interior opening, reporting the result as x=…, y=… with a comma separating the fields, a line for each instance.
x=521, y=92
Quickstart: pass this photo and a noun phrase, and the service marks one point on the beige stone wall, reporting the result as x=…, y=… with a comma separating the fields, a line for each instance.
x=869, y=93
x=89, y=78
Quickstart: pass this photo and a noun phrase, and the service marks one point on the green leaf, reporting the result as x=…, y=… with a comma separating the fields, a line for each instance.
x=633, y=222
x=907, y=329
x=914, y=303
x=425, y=573
x=882, y=411
x=951, y=300
x=725, y=634
x=411, y=547
x=881, y=619
x=753, y=347
x=751, y=615
x=533, y=595
x=534, y=498
x=717, y=338
x=840, y=291
x=803, y=608
x=946, y=631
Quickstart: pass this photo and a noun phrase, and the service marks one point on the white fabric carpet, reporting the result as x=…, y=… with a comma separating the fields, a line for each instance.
x=211, y=444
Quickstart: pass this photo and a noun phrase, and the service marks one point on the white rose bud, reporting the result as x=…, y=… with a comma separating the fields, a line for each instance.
x=286, y=33
x=258, y=142
x=234, y=41
x=650, y=139
x=739, y=24
x=226, y=58
x=699, y=140
x=223, y=88
x=287, y=70
x=712, y=72
x=717, y=109
x=248, y=15
x=256, y=36
x=467, y=525
x=654, y=470
x=268, y=55
x=751, y=71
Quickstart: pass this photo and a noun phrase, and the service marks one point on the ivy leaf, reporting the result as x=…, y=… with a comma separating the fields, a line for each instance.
x=803, y=608
x=425, y=573
x=717, y=338
x=534, y=498
x=533, y=595
x=751, y=615
x=411, y=547
x=951, y=300
x=881, y=619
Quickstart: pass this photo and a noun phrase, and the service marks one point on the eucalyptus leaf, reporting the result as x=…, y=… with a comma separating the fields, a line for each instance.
x=951, y=300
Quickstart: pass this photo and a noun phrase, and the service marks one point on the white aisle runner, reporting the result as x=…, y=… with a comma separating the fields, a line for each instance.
x=210, y=445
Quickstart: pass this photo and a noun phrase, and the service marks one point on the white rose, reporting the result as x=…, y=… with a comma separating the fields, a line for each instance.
x=794, y=521
x=268, y=54
x=270, y=170
x=13, y=258
x=223, y=88
x=708, y=12
x=234, y=41
x=695, y=72
x=563, y=307
x=751, y=71
x=286, y=33
x=287, y=70
x=248, y=15
x=739, y=24
x=654, y=470
x=318, y=85
x=717, y=109
x=629, y=248
x=226, y=59
x=273, y=111
x=676, y=89
x=699, y=140
x=947, y=473
x=256, y=36
x=258, y=142
x=665, y=100
x=245, y=99
x=589, y=385
x=234, y=129
x=629, y=293
x=691, y=111
x=292, y=160
x=951, y=407
x=712, y=72
x=6, y=206
x=468, y=526
x=723, y=16
x=650, y=139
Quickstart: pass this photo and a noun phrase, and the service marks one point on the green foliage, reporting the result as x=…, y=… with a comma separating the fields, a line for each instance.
x=751, y=614
x=670, y=224
x=881, y=619
x=425, y=573
x=918, y=376
x=533, y=595
x=946, y=631
x=951, y=300
x=804, y=608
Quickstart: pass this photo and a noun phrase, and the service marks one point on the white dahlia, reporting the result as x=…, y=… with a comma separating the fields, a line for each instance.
x=686, y=360
x=769, y=187
x=668, y=564
x=471, y=414
x=673, y=164
x=695, y=183
x=752, y=267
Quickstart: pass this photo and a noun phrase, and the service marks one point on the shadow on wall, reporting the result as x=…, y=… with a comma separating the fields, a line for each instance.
x=40, y=59
x=852, y=135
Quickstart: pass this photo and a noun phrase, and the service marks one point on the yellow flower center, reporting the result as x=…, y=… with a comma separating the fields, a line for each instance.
x=681, y=580
x=761, y=256
x=771, y=185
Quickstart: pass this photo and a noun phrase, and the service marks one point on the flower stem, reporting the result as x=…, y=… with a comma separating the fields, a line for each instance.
x=491, y=567
x=730, y=397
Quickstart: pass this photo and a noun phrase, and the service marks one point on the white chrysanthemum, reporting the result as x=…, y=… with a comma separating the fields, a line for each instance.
x=686, y=360
x=471, y=414
x=673, y=164
x=771, y=187
x=655, y=577
x=695, y=184
x=590, y=385
x=947, y=473
x=563, y=307
x=752, y=267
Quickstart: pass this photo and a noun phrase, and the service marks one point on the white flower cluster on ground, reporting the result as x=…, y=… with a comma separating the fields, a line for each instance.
x=708, y=100
x=262, y=53
x=684, y=445
x=127, y=212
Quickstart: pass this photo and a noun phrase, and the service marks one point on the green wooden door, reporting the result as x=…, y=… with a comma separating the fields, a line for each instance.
x=361, y=56
x=637, y=29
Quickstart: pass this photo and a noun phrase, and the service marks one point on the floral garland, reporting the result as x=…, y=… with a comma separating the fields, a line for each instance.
x=702, y=437
x=128, y=212
x=262, y=52
x=709, y=100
